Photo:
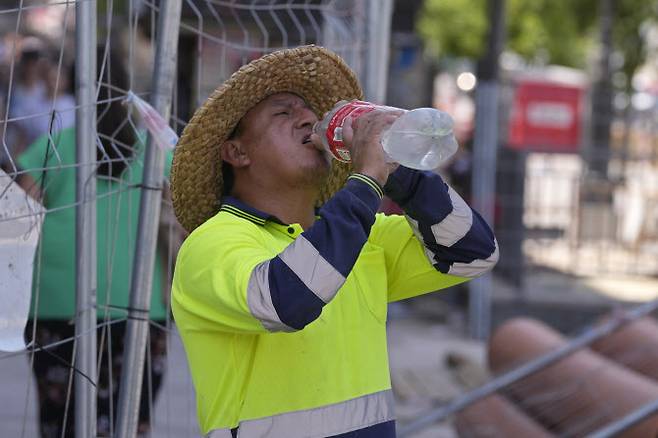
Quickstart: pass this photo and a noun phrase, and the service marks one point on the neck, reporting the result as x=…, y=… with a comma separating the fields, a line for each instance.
x=290, y=205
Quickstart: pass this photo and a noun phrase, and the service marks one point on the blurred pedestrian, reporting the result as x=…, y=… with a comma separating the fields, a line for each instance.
x=28, y=95
x=59, y=101
x=50, y=165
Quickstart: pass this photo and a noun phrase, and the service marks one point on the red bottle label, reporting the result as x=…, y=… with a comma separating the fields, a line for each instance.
x=335, y=127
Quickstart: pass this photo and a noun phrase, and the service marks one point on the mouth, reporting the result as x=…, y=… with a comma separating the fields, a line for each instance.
x=306, y=139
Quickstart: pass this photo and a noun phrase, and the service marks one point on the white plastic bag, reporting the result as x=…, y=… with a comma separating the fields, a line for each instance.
x=162, y=134
x=21, y=218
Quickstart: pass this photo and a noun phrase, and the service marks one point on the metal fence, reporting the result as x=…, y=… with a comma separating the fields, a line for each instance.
x=60, y=185
x=95, y=197
x=575, y=245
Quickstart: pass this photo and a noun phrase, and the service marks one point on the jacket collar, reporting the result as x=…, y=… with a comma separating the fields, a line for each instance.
x=240, y=209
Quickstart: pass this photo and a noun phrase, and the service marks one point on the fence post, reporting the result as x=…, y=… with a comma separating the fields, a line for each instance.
x=379, y=30
x=85, y=220
x=485, y=148
x=149, y=213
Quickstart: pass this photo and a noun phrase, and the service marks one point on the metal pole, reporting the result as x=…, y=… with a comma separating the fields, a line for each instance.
x=380, y=13
x=485, y=146
x=626, y=422
x=586, y=338
x=85, y=219
x=349, y=41
x=149, y=213
x=602, y=94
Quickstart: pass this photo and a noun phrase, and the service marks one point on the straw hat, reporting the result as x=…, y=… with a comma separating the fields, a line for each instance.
x=316, y=74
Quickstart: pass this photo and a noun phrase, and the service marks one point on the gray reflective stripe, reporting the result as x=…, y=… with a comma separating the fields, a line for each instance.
x=313, y=270
x=259, y=300
x=476, y=267
x=414, y=227
x=219, y=433
x=413, y=223
x=454, y=226
x=335, y=419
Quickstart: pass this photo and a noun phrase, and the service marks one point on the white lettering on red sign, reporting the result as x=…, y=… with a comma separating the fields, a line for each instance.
x=549, y=114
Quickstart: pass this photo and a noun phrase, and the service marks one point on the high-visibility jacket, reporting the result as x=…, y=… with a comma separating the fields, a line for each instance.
x=285, y=328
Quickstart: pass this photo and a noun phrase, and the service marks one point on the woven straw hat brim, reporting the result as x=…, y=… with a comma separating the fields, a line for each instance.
x=316, y=74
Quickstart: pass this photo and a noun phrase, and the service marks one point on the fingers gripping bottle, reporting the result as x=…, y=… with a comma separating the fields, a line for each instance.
x=420, y=139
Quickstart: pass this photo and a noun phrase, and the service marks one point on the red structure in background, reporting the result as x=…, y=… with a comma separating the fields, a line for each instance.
x=546, y=117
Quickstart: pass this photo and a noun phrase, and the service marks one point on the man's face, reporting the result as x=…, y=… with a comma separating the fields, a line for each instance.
x=276, y=137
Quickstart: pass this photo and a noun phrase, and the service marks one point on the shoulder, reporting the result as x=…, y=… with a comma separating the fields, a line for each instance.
x=221, y=234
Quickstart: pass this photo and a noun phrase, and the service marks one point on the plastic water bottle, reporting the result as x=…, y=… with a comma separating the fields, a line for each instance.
x=420, y=139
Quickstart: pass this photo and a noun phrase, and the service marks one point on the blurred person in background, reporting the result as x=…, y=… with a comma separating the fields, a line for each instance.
x=6, y=44
x=51, y=179
x=59, y=100
x=28, y=95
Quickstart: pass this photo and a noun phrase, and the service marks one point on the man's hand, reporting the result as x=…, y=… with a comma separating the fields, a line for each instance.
x=363, y=138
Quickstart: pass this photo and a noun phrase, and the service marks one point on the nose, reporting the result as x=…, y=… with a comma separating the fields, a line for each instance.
x=305, y=117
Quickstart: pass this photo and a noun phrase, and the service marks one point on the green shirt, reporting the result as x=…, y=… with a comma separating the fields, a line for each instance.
x=117, y=215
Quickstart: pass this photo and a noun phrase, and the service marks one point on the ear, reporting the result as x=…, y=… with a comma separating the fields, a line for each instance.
x=234, y=153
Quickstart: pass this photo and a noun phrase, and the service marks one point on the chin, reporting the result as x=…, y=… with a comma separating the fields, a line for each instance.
x=324, y=166
x=317, y=173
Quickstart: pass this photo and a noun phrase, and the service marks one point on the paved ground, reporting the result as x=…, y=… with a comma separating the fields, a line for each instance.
x=417, y=350
x=175, y=409
x=421, y=336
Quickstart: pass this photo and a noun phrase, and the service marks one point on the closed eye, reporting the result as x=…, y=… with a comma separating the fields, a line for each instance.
x=282, y=113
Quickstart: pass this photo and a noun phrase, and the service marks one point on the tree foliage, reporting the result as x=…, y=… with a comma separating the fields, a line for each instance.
x=454, y=27
x=554, y=31
x=632, y=21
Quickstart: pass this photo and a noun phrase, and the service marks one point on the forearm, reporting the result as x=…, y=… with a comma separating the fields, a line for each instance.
x=459, y=240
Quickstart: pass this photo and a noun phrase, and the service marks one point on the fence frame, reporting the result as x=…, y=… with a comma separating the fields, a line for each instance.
x=84, y=346
x=147, y=230
x=588, y=336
